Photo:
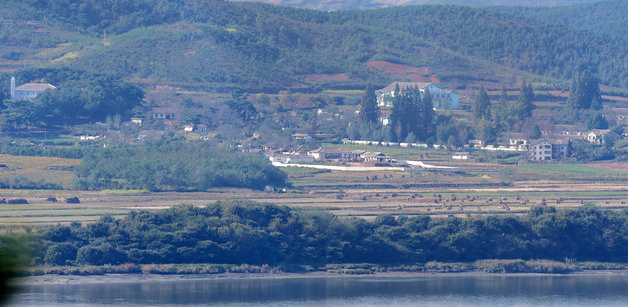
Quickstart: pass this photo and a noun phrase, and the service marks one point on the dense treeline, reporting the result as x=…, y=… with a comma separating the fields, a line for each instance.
x=79, y=97
x=249, y=45
x=239, y=232
x=75, y=152
x=175, y=166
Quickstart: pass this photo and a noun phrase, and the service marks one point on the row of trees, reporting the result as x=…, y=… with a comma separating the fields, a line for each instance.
x=239, y=232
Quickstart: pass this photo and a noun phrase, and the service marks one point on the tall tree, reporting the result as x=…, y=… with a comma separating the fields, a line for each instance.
x=369, y=111
x=535, y=132
x=525, y=103
x=427, y=118
x=396, y=112
x=584, y=92
x=482, y=105
x=502, y=118
x=597, y=121
x=485, y=131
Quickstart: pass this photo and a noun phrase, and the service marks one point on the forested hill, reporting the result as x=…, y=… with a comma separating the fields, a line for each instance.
x=217, y=44
x=609, y=17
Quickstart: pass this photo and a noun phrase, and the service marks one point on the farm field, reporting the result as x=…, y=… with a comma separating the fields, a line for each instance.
x=479, y=188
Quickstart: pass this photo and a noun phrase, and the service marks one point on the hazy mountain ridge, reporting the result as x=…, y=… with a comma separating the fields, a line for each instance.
x=372, y=4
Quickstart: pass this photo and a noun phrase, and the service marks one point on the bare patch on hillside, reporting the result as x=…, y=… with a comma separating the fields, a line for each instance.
x=326, y=77
x=415, y=74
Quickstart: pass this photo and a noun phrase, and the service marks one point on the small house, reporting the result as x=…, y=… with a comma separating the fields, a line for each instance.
x=375, y=157
x=601, y=136
x=301, y=137
x=460, y=156
x=331, y=154
x=136, y=120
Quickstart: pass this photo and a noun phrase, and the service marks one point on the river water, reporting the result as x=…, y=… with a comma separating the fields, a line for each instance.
x=424, y=290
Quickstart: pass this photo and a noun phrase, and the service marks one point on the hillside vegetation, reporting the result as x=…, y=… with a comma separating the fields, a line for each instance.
x=222, y=45
x=606, y=18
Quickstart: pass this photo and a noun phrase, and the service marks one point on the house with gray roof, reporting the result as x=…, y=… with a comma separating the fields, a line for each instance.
x=28, y=91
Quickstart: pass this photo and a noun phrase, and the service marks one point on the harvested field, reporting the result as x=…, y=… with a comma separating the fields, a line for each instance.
x=612, y=166
x=481, y=187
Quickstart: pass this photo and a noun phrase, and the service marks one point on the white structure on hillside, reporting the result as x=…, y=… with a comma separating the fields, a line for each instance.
x=29, y=90
x=600, y=136
x=442, y=99
x=460, y=156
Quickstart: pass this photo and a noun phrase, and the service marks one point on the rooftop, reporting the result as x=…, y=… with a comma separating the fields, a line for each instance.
x=35, y=87
x=403, y=85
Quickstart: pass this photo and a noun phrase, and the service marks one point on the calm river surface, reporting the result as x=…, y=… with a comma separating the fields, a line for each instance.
x=435, y=290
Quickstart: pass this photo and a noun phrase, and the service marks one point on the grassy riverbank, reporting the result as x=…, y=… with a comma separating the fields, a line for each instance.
x=481, y=266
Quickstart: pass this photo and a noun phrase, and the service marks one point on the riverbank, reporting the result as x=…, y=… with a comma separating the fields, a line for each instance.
x=126, y=272
x=51, y=279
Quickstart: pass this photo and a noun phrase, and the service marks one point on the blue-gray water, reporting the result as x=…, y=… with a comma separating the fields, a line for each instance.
x=449, y=290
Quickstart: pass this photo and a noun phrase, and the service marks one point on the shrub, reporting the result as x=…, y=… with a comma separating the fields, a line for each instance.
x=72, y=200
x=17, y=201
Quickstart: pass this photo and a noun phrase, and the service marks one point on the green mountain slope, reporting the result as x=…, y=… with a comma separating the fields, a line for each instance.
x=603, y=18
x=221, y=45
x=521, y=43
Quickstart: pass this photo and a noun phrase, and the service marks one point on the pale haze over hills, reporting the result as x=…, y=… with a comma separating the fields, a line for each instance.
x=366, y=4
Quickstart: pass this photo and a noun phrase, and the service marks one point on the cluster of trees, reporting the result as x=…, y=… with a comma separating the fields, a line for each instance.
x=412, y=117
x=369, y=111
x=584, y=92
x=505, y=116
x=583, y=150
x=240, y=232
x=175, y=166
x=79, y=97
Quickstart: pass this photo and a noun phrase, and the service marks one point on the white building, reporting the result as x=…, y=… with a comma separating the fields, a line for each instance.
x=547, y=150
x=600, y=136
x=442, y=99
x=460, y=156
x=28, y=91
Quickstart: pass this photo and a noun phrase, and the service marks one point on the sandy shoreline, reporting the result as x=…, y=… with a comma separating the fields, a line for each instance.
x=52, y=279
